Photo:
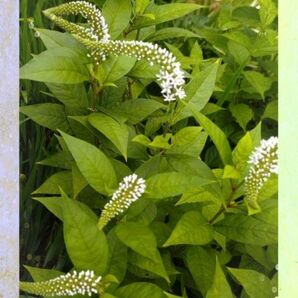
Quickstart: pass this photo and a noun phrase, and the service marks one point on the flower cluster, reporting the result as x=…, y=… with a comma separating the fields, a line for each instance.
x=264, y=163
x=170, y=76
x=129, y=190
x=97, y=40
x=70, y=284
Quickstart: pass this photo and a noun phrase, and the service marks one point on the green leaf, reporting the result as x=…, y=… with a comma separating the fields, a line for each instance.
x=139, y=238
x=164, y=13
x=137, y=110
x=238, y=51
x=242, y=151
x=256, y=135
x=260, y=254
x=269, y=189
x=192, y=229
x=50, y=115
x=40, y=274
x=258, y=81
x=86, y=245
x=53, y=204
x=195, y=167
x=200, y=195
x=117, y=14
x=242, y=113
x=107, y=295
x=268, y=12
x=118, y=256
x=190, y=166
x=78, y=181
x=216, y=134
x=254, y=283
x=271, y=110
x=230, y=172
x=141, y=6
x=74, y=97
x=202, y=85
x=58, y=160
x=188, y=141
x=149, y=167
x=121, y=169
x=220, y=287
x=57, y=65
x=51, y=185
x=143, y=70
x=198, y=91
x=140, y=290
x=116, y=132
x=171, y=184
x=196, y=52
x=172, y=32
x=117, y=67
x=161, y=231
x=201, y=265
x=54, y=39
x=156, y=267
x=93, y=164
x=248, y=229
x=161, y=142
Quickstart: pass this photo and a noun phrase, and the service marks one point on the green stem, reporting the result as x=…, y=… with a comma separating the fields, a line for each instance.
x=222, y=208
x=217, y=214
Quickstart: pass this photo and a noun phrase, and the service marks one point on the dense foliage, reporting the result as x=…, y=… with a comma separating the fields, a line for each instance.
x=152, y=184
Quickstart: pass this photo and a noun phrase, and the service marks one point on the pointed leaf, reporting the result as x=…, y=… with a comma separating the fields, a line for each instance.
x=171, y=184
x=51, y=185
x=117, y=14
x=57, y=65
x=93, y=164
x=201, y=265
x=216, y=134
x=156, y=267
x=86, y=245
x=167, y=12
x=220, y=287
x=116, y=132
x=139, y=238
x=254, y=283
x=140, y=290
x=50, y=115
x=192, y=229
x=139, y=109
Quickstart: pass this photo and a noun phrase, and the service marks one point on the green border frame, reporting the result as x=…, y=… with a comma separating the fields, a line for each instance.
x=288, y=149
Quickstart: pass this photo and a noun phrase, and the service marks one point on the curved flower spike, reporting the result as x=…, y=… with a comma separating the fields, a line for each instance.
x=130, y=190
x=264, y=163
x=70, y=284
x=97, y=39
x=171, y=76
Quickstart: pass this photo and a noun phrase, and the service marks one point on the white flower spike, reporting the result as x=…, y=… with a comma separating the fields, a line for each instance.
x=70, y=284
x=129, y=191
x=97, y=40
x=264, y=163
